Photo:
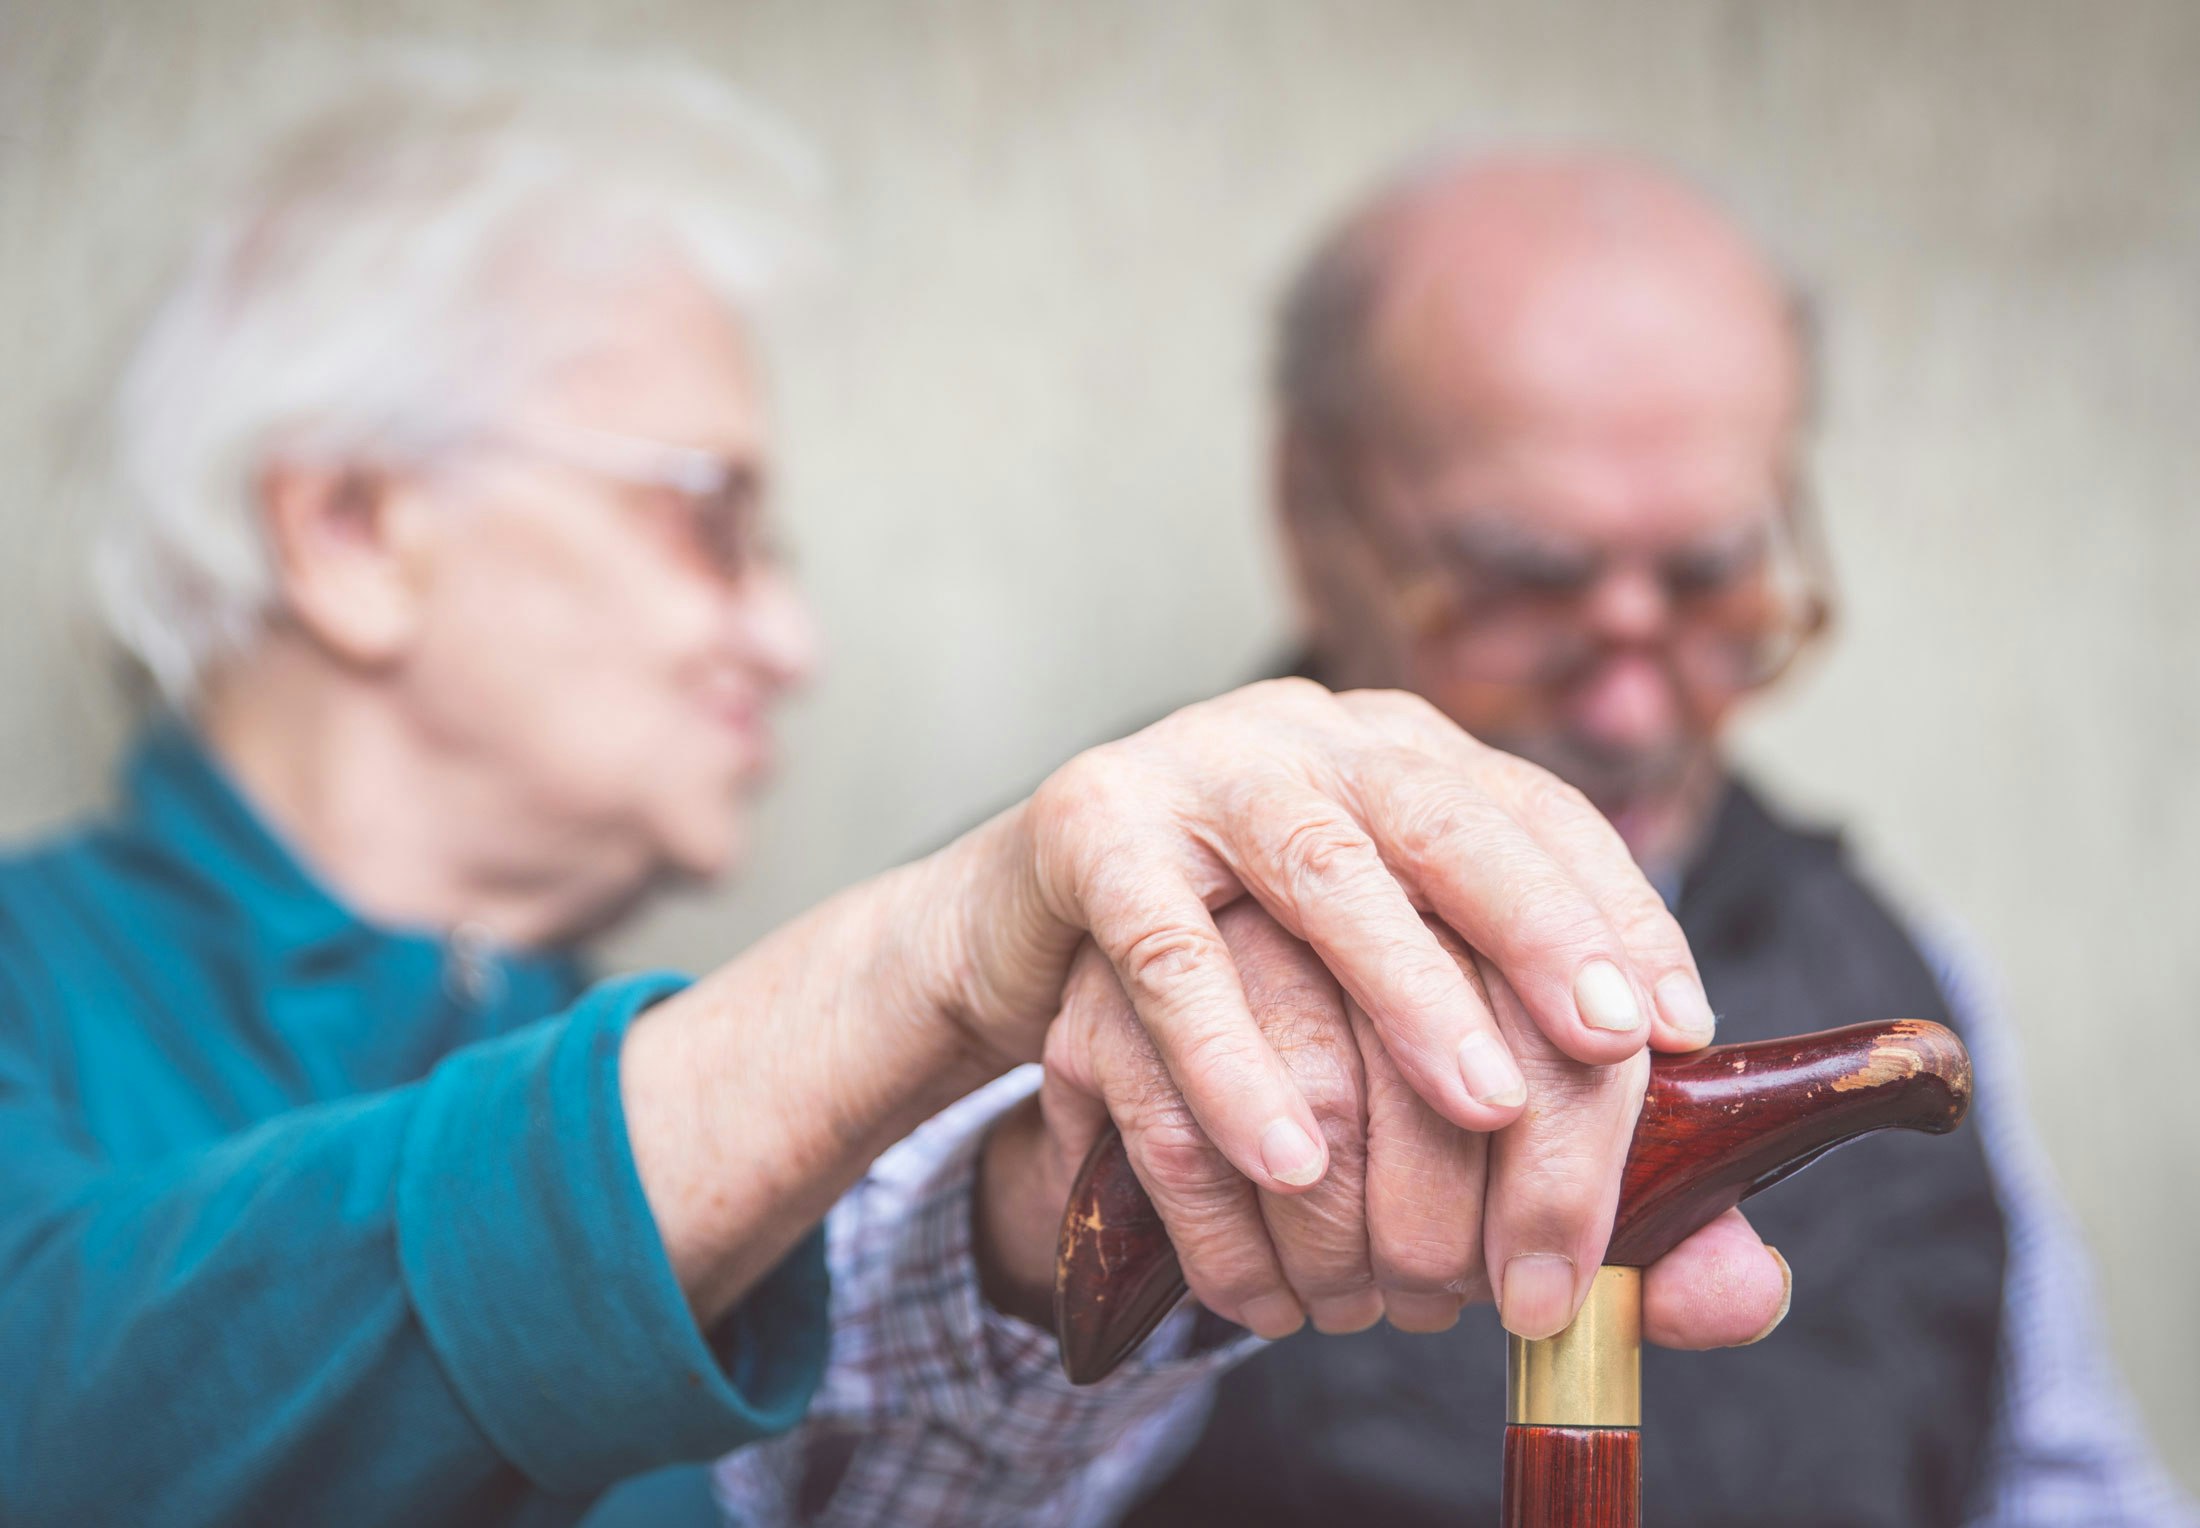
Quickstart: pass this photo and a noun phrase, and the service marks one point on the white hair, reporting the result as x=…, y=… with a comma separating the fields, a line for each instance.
x=358, y=301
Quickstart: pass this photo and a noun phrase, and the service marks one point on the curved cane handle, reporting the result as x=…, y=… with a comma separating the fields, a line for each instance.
x=1717, y=1126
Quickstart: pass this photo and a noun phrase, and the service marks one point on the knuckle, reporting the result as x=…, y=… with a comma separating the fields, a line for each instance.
x=1091, y=994
x=1415, y=712
x=1179, y=1159
x=1322, y=858
x=1067, y=1052
x=1436, y=819
x=1162, y=958
x=1562, y=1190
x=1426, y=986
x=1323, y=1248
x=1545, y=916
x=1325, y=1290
x=1426, y=1261
x=1545, y=796
x=1648, y=925
x=1292, y=692
x=1224, y=1277
x=1089, y=789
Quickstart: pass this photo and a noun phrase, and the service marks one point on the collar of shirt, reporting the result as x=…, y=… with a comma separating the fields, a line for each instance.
x=189, y=823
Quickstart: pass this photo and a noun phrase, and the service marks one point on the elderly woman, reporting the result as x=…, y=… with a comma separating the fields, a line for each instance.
x=329, y=1189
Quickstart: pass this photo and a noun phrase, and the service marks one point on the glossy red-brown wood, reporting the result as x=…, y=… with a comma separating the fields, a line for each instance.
x=1572, y=1477
x=1722, y=1124
x=1717, y=1125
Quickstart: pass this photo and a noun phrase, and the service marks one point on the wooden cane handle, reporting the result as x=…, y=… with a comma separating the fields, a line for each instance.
x=1717, y=1126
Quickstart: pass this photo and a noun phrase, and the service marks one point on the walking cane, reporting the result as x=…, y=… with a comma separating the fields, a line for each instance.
x=1717, y=1126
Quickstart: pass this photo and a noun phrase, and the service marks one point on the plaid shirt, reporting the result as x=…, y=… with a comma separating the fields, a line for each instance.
x=937, y=1410
x=2067, y=1446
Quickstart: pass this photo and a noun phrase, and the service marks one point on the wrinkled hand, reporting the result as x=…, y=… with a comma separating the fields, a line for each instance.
x=1414, y=1212
x=1344, y=817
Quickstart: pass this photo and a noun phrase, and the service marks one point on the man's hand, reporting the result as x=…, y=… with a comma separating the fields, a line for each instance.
x=1413, y=1212
x=1344, y=818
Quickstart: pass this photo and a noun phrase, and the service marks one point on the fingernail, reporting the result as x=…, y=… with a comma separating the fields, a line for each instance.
x=1606, y=998
x=1346, y=1314
x=1422, y=1313
x=1787, y=1296
x=1681, y=1000
x=1491, y=1075
x=1271, y=1316
x=1539, y=1294
x=1290, y=1154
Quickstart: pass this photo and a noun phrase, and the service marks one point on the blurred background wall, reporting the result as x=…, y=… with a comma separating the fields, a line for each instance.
x=1024, y=438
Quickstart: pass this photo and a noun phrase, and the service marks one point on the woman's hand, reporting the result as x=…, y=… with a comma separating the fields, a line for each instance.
x=1344, y=817
x=756, y=1096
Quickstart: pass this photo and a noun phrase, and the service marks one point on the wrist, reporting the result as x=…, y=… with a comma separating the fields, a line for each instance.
x=755, y=1097
x=1016, y=1214
x=1003, y=949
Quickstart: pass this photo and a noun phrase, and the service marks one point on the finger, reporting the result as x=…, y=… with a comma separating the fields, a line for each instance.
x=1465, y=853
x=1424, y=1197
x=1319, y=1236
x=1581, y=838
x=1554, y=1178
x=1209, y=1208
x=1176, y=970
x=1319, y=872
x=1721, y=1288
x=1583, y=841
x=1092, y=1004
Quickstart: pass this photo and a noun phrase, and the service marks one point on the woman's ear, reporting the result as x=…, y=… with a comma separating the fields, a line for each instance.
x=346, y=557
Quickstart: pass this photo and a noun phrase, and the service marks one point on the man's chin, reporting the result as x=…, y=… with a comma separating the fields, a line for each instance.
x=1612, y=783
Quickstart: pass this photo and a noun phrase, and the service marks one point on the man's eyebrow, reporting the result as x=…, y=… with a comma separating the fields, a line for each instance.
x=1739, y=536
x=1495, y=532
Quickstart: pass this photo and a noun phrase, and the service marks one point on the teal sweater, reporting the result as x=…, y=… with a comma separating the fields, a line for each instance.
x=308, y=1221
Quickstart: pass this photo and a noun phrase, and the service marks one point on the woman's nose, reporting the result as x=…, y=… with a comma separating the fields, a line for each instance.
x=774, y=632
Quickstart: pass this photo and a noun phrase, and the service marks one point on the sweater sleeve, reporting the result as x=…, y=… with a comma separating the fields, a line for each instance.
x=938, y=1409
x=442, y=1303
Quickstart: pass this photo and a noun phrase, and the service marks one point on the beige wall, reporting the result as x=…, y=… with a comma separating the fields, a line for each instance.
x=1026, y=449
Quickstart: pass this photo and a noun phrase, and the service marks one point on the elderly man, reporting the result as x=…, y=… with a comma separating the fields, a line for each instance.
x=1541, y=422
x=328, y=1190
x=1540, y=461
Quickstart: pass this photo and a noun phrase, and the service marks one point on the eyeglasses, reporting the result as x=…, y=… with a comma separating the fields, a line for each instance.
x=1511, y=609
x=715, y=501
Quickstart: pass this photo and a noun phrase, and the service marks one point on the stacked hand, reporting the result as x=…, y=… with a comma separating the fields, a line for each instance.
x=1244, y=934
x=1341, y=1111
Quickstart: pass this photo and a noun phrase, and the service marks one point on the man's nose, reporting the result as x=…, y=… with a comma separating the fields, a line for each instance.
x=1628, y=606
x=1627, y=699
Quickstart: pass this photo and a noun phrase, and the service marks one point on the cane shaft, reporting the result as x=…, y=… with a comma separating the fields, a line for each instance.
x=1572, y=1477
x=1573, y=1415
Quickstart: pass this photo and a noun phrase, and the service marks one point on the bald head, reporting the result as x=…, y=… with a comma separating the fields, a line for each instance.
x=1550, y=271
x=1539, y=419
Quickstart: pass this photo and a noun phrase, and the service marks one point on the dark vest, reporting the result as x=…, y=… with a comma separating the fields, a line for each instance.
x=1868, y=1406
